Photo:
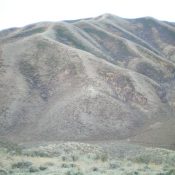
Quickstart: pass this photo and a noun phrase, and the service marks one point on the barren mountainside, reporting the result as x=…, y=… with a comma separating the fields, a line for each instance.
x=90, y=79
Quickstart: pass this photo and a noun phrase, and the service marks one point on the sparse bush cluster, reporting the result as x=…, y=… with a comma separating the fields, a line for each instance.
x=22, y=165
x=68, y=165
x=74, y=172
x=37, y=154
x=26, y=166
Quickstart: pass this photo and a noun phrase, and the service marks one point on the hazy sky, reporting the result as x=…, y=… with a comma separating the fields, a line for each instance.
x=15, y=13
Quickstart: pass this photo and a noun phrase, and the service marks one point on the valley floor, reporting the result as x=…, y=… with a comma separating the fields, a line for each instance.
x=73, y=158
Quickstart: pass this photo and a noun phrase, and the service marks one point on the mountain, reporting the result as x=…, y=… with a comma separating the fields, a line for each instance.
x=103, y=78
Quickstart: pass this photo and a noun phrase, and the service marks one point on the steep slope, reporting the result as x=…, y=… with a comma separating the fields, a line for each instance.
x=86, y=79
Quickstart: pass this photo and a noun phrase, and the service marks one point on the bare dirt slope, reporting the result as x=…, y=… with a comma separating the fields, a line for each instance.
x=100, y=78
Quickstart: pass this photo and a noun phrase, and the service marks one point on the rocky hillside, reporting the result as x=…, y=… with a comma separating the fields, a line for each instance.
x=90, y=79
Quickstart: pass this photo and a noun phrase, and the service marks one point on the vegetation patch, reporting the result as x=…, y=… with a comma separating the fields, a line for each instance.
x=90, y=160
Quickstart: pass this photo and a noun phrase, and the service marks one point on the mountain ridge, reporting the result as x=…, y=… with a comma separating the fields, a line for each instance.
x=98, y=78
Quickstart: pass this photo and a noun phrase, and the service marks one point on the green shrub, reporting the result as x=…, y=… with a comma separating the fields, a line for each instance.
x=33, y=169
x=74, y=158
x=104, y=157
x=73, y=165
x=143, y=159
x=64, y=165
x=3, y=172
x=94, y=169
x=113, y=165
x=22, y=165
x=93, y=156
x=11, y=172
x=73, y=172
x=64, y=158
x=132, y=173
x=42, y=168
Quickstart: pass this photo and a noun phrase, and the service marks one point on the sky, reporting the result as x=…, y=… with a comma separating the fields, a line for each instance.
x=18, y=13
